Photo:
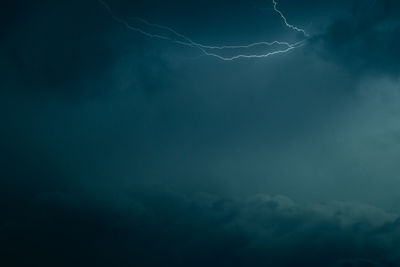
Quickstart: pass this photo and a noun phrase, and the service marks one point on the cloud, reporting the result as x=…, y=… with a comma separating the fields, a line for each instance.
x=61, y=49
x=158, y=227
x=366, y=39
x=64, y=199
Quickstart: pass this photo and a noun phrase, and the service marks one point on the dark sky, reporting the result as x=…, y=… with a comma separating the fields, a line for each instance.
x=122, y=150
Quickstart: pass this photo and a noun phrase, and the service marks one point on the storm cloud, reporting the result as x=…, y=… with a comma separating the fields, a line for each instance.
x=157, y=227
x=365, y=38
x=119, y=149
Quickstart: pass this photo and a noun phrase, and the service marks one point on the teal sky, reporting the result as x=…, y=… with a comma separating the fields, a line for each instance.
x=124, y=150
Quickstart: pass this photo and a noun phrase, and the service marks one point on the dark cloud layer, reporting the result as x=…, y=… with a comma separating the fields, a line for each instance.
x=156, y=227
x=46, y=51
x=366, y=38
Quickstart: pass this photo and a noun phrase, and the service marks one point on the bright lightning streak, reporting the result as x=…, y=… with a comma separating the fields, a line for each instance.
x=205, y=49
x=285, y=20
x=252, y=55
x=209, y=46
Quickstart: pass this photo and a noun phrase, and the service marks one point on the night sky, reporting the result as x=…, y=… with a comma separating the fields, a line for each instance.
x=123, y=149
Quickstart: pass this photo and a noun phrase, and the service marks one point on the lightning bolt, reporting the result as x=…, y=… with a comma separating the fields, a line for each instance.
x=285, y=20
x=209, y=50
